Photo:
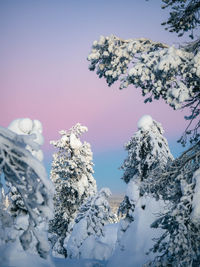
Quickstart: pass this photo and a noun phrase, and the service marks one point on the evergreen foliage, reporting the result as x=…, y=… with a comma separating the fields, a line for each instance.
x=71, y=173
x=147, y=151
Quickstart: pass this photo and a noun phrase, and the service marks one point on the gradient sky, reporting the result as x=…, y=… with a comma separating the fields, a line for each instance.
x=44, y=74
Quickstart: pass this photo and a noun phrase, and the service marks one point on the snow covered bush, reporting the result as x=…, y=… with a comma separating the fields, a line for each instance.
x=27, y=175
x=72, y=175
x=84, y=241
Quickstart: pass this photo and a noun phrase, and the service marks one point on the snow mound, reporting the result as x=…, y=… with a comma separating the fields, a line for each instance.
x=145, y=122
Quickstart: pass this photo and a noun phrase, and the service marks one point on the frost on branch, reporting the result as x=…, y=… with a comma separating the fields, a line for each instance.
x=160, y=71
x=72, y=174
x=27, y=175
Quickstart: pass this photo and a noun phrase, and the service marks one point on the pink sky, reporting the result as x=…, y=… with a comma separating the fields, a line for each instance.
x=44, y=72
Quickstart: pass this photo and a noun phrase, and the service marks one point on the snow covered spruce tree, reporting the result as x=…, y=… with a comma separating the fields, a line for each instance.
x=27, y=175
x=71, y=172
x=92, y=217
x=160, y=70
x=147, y=151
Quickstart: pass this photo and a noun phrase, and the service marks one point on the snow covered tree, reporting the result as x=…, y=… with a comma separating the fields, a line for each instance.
x=92, y=217
x=24, y=126
x=160, y=70
x=179, y=245
x=27, y=175
x=147, y=151
x=72, y=174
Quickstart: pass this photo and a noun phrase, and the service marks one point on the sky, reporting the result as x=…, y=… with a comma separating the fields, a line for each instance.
x=44, y=75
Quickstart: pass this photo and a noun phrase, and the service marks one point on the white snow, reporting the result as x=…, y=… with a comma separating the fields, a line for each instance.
x=137, y=240
x=195, y=215
x=75, y=142
x=145, y=122
x=100, y=248
x=132, y=191
x=26, y=126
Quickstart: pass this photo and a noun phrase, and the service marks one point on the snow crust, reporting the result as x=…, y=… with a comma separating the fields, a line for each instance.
x=145, y=122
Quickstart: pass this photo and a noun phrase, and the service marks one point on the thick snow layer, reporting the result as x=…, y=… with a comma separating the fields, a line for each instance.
x=137, y=240
x=132, y=191
x=26, y=126
x=75, y=142
x=100, y=248
x=195, y=215
x=145, y=122
x=11, y=255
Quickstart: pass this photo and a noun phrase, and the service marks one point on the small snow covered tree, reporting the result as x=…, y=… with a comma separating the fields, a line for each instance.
x=27, y=175
x=160, y=70
x=147, y=151
x=72, y=174
x=92, y=217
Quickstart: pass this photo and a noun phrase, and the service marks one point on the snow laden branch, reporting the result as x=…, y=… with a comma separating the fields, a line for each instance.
x=161, y=71
x=24, y=172
x=184, y=16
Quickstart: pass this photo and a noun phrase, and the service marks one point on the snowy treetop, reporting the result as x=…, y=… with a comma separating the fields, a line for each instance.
x=147, y=149
x=71, y=137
